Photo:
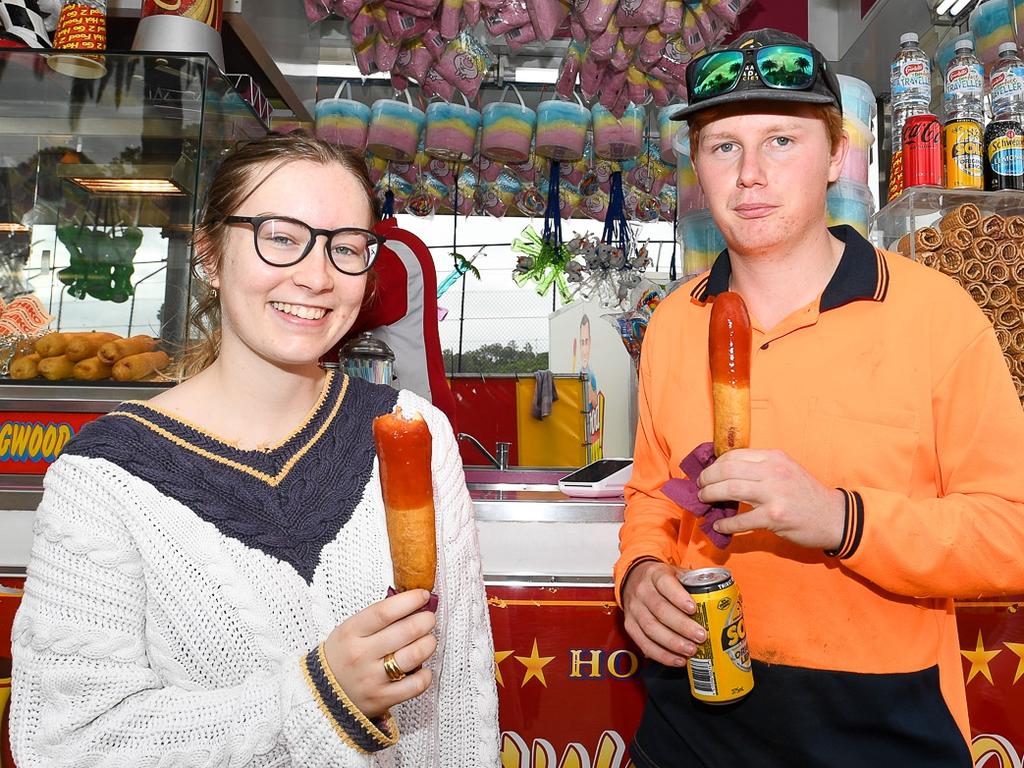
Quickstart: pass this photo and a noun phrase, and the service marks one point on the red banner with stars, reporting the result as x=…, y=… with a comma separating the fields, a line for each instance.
x=569, y=695
x=568, y=691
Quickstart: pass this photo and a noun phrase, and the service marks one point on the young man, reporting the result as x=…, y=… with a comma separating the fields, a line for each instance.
x=885, y=474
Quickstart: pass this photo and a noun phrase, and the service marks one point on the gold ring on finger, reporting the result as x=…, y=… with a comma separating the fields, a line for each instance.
x=394, y=672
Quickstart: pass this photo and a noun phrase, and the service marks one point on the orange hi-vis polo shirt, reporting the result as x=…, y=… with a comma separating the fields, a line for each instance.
x=891, y=387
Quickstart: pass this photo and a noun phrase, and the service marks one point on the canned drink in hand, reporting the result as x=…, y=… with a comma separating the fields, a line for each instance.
x=719, y=671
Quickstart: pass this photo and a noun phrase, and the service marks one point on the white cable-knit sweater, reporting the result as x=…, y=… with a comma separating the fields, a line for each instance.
x=150, y=637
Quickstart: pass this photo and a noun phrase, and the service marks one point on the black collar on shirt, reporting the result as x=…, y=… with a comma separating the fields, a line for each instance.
x=862, y=273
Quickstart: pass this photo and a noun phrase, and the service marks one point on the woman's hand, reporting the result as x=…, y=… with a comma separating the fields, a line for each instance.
x=356, y=649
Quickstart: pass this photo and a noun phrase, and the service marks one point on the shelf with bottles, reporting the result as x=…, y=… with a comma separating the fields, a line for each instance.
x=100, y=181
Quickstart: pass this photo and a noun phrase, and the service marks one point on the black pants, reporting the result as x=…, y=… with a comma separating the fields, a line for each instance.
x=801, y=718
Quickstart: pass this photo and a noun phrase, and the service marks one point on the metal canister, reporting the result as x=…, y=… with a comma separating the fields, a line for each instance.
x=965, y=167
x=720, y=670
x=1004, y=155
x=369, y=358
x=922, y=151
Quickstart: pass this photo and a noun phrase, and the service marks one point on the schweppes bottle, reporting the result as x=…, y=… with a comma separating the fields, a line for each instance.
x=1004, y=155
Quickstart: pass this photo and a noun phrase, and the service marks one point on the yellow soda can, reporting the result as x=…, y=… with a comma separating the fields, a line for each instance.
x=963, y=147
x=720, y=670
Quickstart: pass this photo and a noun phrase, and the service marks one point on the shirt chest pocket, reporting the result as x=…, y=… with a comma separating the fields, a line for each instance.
x=868, y=446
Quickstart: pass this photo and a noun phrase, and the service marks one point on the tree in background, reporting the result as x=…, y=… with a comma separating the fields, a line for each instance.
x=496, y=358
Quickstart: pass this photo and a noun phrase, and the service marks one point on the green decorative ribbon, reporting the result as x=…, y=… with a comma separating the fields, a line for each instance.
x=541, y=262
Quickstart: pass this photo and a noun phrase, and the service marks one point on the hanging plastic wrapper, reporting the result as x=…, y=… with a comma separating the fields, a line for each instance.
x=632, y=324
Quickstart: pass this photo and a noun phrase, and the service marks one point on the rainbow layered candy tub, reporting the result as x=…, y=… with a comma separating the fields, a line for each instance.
x=507, y=132
x=858, y=99
x=344, y=122
x=700, y=240
x=451, y=131
x=395, y=129
x=849, y=202
x=561, y=129
x=992, y=25
x=689, y=193
x=618, y=138
x=667, y=129
x=858, y=156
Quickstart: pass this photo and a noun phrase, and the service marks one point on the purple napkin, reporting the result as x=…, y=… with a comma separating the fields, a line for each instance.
x=431, y=603
x=683, y=491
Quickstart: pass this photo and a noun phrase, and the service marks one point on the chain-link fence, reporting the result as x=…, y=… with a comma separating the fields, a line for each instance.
x=492, y=324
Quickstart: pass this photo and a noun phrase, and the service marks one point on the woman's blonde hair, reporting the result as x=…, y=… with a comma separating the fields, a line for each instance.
x=233, y=183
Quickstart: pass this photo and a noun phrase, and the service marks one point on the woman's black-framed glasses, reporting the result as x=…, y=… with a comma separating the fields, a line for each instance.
x=283, y=242
x=787, y=67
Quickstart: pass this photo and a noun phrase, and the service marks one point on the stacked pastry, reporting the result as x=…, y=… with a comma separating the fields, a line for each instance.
x=89, y=357
x=985, y=254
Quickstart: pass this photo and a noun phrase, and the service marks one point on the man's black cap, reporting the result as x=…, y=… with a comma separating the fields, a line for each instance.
x=824, y=88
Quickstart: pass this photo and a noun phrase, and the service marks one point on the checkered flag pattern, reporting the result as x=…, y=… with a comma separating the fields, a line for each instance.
x=23, y=20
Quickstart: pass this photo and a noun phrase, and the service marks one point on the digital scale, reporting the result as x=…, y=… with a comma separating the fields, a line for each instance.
x=599, y=479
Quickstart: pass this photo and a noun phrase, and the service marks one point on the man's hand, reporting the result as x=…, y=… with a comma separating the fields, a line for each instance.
x=656, y=608
x=784, y=498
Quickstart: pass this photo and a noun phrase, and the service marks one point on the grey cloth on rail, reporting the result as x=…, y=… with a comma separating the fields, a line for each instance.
x=544, y=394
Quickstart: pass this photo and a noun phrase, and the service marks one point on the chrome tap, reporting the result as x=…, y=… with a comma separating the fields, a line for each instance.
x=502, y=449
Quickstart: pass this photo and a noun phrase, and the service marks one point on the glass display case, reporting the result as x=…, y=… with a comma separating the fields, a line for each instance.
x=100, y=182
x=919, y=207
x=974, y=237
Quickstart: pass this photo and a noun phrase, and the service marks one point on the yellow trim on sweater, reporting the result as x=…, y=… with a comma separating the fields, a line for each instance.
x=271, y=480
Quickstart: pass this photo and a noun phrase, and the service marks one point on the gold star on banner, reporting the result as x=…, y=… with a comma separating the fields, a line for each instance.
x=1017, y=648
x=534, y=664
x=979, y=659
x=500, y=656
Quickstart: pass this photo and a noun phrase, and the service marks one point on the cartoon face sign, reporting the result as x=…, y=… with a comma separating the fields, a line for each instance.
x=465, y=67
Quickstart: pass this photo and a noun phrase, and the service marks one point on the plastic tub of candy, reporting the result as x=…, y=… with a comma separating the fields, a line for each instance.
x=507, y=130
x=700, y=240
x=618, y=138
x=395, y=129
x=858, y=156
x=451, y=131
x=667, y=130
x=992, y=25
x=858, y=99
x=850, y=203
x=343, y=121
x=561, y=129
x=690, y=194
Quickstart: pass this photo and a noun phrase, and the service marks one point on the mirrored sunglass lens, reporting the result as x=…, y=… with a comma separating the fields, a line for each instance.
x=717, y=73
x=352, y=251
x=786, y=66
x=280, y=240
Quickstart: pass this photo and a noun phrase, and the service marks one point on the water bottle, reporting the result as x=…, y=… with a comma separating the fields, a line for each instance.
x=910, y=76
x=963, y=84
x=1006, y=84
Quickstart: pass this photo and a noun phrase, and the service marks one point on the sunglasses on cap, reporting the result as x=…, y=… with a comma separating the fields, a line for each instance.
x=782, y=67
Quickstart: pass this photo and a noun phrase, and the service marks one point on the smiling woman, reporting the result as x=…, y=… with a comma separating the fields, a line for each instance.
x=227, y=603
